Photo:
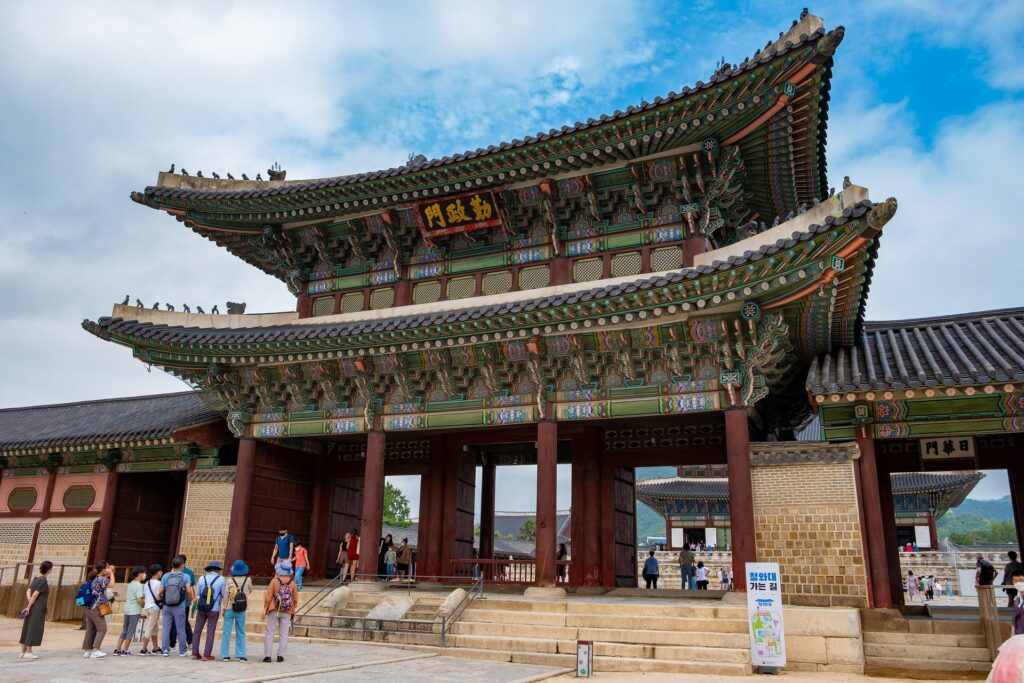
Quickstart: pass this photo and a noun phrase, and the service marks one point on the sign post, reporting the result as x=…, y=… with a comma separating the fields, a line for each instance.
x=764, y=616
x=584, y=658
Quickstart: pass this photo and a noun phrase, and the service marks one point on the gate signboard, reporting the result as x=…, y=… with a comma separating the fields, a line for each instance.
x=764, y=615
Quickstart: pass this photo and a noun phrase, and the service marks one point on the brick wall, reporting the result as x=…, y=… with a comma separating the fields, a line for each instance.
x=15, y=542
x=66, y=541
x=204, y=531
x=806, y=518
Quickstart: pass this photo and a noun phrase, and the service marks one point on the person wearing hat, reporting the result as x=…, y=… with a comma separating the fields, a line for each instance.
x=236, y=602
x=279, y=603
x=209, y=593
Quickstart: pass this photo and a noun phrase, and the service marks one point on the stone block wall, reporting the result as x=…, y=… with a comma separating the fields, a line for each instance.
x=806, y=518
x=207, y=515
x=15, y=543
x=67, y=541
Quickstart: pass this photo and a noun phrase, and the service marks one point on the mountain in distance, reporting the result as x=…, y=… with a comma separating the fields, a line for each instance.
x=998, y=509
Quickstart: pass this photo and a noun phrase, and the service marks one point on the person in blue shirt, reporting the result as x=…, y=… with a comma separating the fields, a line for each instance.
x=651, y=570
x=188, y=601
x=176, y=591
x=284, y=547
x=208, y=610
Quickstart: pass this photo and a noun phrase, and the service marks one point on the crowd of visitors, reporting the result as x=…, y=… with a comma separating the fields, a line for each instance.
x=159, y=607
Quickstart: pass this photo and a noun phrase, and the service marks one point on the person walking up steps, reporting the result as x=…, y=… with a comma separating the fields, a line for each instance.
x=343, y=556
x=301, y=562
x=284, y=547
x=133, y=603
x=209, y=592
x=279, y=603
x=651, y=570
x=236, y=604
x=176, y=594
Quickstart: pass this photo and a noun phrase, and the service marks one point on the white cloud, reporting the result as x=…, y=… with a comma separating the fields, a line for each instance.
x=954, y=245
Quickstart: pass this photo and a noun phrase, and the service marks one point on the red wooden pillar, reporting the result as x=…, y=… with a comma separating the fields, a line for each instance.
x=586, y=509
x=430, y=555
x=1015, y=473
x=561, y=271
x=891, y=556
x=547, y=491
x=933, y=532
x=106, y=526
x=488, y=480
x=741, y=494
x=606, y=477
x=403, y=293
x=373, y=503
x=304, y=306
x=668, y=532
x=692, y=246
x=245, y=469
x=874, y=523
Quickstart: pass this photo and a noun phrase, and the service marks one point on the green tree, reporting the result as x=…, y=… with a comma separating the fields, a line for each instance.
x=528, y=531
x=396, y=506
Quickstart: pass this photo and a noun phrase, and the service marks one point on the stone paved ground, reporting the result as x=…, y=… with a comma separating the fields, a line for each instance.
x=60, y=660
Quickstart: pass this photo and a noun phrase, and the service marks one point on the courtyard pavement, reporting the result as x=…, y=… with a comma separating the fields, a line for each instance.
x=60, y=660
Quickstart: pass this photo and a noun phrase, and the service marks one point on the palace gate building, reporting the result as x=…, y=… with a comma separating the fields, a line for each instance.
x=673, y=284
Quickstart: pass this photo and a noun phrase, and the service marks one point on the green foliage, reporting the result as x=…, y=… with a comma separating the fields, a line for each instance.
x=648, y=522
x=528, y=531
x=396, y=506
x=965, y=528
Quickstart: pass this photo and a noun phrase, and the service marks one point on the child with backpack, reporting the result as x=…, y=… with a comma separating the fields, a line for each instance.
x=236, y=602
x=209, y=592
x=279, y=603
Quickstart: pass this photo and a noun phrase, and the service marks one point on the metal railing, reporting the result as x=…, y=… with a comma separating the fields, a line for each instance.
x=516, y=572
x=367, y=626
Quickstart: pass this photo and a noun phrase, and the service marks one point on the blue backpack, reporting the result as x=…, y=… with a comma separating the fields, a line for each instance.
x=85, y=597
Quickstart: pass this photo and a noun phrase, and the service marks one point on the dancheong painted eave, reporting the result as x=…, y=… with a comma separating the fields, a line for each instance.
x=173, y=338
x=667, y=122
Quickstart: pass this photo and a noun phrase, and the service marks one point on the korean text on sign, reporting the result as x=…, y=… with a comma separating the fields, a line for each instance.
x=459, y=214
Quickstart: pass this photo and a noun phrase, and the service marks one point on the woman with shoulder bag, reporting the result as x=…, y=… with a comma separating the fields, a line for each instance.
x=236, y=602
x=101, y=578
x=35, y=614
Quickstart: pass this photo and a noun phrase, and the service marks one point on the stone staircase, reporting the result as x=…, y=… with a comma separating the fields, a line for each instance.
x=669, y=638
x=898, y=646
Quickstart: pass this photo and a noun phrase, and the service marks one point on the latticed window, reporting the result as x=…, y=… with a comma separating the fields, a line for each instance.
x=323, y=305
x=534, y=277
x=497, y=283
x=666, y=258
x=461, y=287
x=79, y=498
x=587, y=269
x=382, y=298
x=426, y=292
x=352, y=302
x=626, y=264
x=21, y=499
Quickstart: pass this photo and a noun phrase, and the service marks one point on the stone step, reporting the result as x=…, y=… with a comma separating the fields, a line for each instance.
x=937, y=652
x=692, y=609
x=499, y=616
x=631, y=665
x=507, y=605
x=479, y=628
x=947, y=640
x=659, y=623
x=886, y=664
x=536, y=645
x=702, y=639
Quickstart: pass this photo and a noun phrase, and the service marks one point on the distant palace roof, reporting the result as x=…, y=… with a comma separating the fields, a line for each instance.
x=114, y=420
x=967, y=349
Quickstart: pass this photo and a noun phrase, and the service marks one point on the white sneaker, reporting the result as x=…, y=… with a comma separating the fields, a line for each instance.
x=29, y=655
x=87, y=654
x=97, y=654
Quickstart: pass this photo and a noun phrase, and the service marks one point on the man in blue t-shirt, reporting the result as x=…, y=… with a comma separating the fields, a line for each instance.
x=176, y=591
x=284, y=547
x=188, y=602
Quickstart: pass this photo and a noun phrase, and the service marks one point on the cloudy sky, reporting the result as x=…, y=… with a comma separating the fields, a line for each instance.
x=927, y=105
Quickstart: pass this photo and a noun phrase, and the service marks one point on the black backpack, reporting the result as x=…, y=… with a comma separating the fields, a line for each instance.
x=987, y=574
x=241, y=602
x=174, y=589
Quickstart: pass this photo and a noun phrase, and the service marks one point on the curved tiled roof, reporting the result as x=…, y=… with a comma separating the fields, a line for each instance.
x=103, y=421
x=902, y=482
x=787, y=44
x=967, y=349
x=401, y=320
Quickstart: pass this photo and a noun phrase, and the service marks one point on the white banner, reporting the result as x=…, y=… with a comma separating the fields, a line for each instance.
x=764, y=614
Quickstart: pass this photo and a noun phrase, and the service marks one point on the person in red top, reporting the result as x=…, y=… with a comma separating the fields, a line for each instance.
x=353, y=553
x=301, y=562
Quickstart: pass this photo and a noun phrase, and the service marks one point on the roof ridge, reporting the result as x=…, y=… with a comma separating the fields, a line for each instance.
x=955, y=317
x=116, y=399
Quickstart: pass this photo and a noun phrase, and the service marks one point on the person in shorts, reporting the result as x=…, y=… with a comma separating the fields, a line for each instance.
x=353, y=553
x=151, y=612
x=343, y=555
x=134, y=601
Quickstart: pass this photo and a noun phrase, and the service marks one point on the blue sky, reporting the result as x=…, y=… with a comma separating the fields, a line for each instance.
x=927, y=106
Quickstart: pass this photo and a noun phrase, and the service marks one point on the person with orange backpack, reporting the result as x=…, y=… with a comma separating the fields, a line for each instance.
x=279, y=603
